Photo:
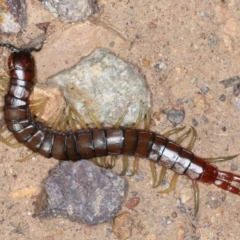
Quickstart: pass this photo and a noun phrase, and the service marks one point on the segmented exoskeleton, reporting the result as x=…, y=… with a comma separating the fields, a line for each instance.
x=91, y=143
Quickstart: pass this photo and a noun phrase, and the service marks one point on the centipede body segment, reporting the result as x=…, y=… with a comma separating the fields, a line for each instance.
x=91, y=143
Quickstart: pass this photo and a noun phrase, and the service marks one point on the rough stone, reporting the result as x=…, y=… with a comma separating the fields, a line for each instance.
x=122, y=226
x=107, y=85
x=12, y=16
x=176, y=116
x=71, y=10
x=81, y=192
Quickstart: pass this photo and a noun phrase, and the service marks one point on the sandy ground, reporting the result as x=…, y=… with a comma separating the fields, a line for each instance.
x=183, y=48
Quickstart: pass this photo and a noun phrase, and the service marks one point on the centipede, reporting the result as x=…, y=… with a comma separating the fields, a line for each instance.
x=90, y=143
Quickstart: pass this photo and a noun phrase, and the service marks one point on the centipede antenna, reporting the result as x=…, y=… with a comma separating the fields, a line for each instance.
x=196, y=197
x=193, y=139
x=220, y=159
x=93, y=117
x=30, y=156
x=172, y=184
x=11, y=47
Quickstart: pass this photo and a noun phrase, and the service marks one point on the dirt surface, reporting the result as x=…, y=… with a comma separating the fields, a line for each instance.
x=184, y=48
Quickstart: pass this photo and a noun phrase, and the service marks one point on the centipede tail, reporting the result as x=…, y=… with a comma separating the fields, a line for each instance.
x=92, y=143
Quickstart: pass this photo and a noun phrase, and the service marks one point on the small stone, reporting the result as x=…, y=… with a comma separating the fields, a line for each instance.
x=229, y=82
x=194, y=122
x=212, y=40
x=224, y=129
x=139, y=176
x=106, y=84
x=205, y=90
x=174, y=214
x=215, y=199
x=160, y=66
x=176, y=116
x=82, y=192
x=55, y=99
x=233, y=167
x=152, y=25
x=181, y=234
x=132, y=202
x=222, y=98
x=200, y=101
x=156, y=115
x=122, y=226
x=166, y=221
x=71, y=10
x=205, y=119
x=13, y=16
x=236, y=89
x=146, y=62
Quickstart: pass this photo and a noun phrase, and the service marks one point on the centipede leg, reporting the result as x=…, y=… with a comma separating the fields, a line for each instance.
x=196, y=197
x=220, y=159
x=93, y=117
x=28, y=157
x=38, y=106
x=7, y=141
x=125, y=165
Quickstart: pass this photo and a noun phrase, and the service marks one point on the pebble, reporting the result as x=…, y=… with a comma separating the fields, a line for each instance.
x=132, y=202
x=200, y=101
x=194, y=122
x=229, y=82
x=13, y=16
x=233, y=167
x=204, y=90
x=71, y=10
x=81, y=192
x=156, y=115
x=215, y=199
x=176, y=116
x=54, y=95
x=166, y=221
x=122, y=226
x=107, y=85
x=236, y=89
x=222, y=98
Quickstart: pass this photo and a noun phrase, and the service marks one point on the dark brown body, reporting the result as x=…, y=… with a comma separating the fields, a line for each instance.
x=86, y=144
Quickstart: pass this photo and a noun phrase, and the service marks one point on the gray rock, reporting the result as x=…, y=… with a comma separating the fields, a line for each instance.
x=107, y=85
x=13, y=16
x=175, y=116
x=71, y=10
x=82, y=192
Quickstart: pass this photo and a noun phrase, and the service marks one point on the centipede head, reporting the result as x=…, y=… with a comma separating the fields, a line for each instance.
x=20, y=58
